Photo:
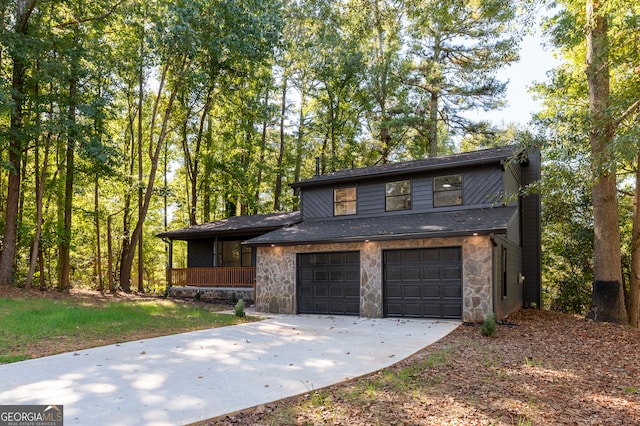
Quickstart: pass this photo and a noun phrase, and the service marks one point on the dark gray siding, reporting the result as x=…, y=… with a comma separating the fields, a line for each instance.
x=512, y=180
x=200, y=253
x=507, y=289
x=513, y=229
x=371, y=198
x=481, y=187
x=317, y=203
x=531, y=235
x=422, y=193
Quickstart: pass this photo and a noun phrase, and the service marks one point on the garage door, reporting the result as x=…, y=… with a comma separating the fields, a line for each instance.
x=423, y=283
x=329, y=283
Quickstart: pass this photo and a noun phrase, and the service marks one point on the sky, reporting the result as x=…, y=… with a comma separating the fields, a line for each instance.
x=535, y=61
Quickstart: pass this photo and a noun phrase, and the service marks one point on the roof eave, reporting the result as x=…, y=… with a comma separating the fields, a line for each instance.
x=386, y=237
x=325, y=179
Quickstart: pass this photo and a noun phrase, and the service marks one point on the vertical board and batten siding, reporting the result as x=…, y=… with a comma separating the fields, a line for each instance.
x=504, y=305
x=531, y=235
x=200, y=253
x=481, y=187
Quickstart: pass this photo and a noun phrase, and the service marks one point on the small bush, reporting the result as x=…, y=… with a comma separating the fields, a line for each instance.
x=234, y=298
x=489, y=325
x=239, y=309
x=197, y=296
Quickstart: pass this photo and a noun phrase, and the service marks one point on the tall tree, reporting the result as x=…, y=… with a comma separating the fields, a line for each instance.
x=607, y=303
x=20, y=59
x=592, y=115
x=458, y=46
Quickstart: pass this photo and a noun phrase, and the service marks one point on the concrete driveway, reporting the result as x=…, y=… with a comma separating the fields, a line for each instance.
x=188, y=377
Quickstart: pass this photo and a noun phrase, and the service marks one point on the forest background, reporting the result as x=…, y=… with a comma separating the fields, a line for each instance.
x=120, y=119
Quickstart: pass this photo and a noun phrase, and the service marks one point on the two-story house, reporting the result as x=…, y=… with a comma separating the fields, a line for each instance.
x=444, y=237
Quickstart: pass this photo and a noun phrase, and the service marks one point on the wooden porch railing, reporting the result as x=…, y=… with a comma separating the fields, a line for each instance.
x=214, y=277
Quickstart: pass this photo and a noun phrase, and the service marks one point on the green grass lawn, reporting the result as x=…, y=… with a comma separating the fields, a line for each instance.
x=34, y=327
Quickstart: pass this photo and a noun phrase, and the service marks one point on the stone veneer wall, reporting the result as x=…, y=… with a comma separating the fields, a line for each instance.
x=276, y=274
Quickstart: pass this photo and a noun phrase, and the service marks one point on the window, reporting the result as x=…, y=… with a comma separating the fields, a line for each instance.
x=447, y=190
x=344, y=201
x=234, y=254
x=398, y=195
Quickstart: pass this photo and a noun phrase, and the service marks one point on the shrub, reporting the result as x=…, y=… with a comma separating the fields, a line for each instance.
x=489, y=325
x=239, y=309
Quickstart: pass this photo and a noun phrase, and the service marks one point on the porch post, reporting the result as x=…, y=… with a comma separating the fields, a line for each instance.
x=169, y=264
x=215, y=252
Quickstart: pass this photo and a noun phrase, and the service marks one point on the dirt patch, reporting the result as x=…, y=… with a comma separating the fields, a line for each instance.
x=541, y=368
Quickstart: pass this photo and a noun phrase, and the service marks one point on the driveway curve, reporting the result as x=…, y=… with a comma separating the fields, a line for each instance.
x=189, y=377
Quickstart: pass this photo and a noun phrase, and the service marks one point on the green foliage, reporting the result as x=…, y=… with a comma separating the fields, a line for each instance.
x=239, y=309
x=564, y=124
x=488, y=327
x=338, y=76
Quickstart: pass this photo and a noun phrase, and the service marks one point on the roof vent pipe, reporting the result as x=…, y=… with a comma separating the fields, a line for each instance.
x=317, y=166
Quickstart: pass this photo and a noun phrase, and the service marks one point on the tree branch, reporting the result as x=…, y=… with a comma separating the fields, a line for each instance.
x=634, y=106
x=92, y=18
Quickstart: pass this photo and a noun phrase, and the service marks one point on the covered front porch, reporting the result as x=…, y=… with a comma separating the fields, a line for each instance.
x=218, y=264
x=244, y=276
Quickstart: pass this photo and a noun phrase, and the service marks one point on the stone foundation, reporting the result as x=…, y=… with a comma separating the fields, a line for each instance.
x=276, y=274
x=212, y=294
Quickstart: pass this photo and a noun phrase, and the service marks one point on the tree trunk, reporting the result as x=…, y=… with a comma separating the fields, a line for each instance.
x=278, y=189
x=126, y=217
x=300, y=139
x=154, y=150
x=16, y=146
x=96, y=206
x=64, y=278
x=140, y=217
x=433, y=125
x=634, y=290
x=40, y=175
x=263, y=145
x=607, y=302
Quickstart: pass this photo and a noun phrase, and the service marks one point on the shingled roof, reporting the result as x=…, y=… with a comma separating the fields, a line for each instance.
x=235, y=226
x=419, y=225
x=486, y=156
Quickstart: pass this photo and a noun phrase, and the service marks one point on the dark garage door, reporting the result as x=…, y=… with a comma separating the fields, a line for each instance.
x=423, y=283
x=329, y=283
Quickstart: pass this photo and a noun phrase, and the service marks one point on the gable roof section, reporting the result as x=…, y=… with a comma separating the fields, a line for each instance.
x=235, y=225
x=486, y=156
x=419, y=225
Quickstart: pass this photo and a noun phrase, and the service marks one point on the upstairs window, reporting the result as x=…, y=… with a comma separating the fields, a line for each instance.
x=447, y=190
x=344, y=201
x=398, y=195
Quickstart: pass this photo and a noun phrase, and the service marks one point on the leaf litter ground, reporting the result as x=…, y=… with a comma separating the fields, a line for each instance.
x=540, y=368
